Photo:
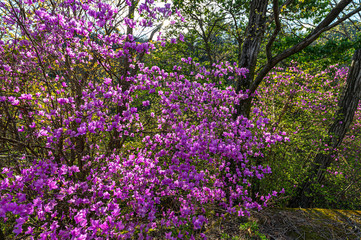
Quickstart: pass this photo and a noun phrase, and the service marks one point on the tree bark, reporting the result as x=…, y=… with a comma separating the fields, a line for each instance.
x=344, y=117
x=250, y=49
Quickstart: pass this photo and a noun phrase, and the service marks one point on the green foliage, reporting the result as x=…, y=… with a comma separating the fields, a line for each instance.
x=252, y=230
x=6, y=227
x=334, y=47
x=303, y=105
x=226, y=236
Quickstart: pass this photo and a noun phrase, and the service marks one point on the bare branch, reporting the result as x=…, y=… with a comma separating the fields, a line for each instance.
x=154, y=31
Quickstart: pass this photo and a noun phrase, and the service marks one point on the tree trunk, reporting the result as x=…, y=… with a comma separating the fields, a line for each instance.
x=345, y=113
x=250, y=49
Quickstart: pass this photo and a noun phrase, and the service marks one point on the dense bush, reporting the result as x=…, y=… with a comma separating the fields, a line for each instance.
x=99, y=146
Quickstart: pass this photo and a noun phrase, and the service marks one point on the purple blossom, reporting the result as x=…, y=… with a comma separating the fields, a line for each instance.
x=104, y=166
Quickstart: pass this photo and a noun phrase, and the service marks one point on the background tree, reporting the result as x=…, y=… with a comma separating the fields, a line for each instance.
x=257, y=26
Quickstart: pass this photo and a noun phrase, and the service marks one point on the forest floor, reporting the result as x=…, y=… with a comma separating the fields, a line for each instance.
x=307, y=224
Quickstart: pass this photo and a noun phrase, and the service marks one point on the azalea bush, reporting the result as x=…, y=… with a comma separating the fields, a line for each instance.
x=96, y=145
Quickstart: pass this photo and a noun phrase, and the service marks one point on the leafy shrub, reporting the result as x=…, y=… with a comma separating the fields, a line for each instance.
x=83, y=161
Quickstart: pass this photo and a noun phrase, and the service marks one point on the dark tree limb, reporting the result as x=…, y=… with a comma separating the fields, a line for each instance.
x=322, y=27
x=254, y=35
x=276, y=14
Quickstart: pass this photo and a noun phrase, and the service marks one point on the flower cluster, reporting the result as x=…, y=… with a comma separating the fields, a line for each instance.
x=104, y=147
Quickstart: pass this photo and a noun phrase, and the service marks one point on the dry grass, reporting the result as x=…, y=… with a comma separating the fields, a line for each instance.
x=287, y=224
